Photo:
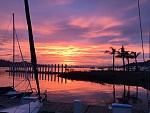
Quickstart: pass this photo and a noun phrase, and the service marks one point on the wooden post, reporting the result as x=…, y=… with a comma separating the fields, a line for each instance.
x=45, y=76
x=55, y=67
x=77, y=106
x=58, y=79
x=48, y=67
x=58, y=68
x=55, y=78
x=48, y=77
x=52, y=68
x=65, y=80
x=65, y=67
x=45, y=68
x=42, y=68
x=62, y=67
x=42, y=76
x=61, y=80
x=51, y=77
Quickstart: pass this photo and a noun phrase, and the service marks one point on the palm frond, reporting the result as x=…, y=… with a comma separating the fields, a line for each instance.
x=138, y=54
x=107, y=51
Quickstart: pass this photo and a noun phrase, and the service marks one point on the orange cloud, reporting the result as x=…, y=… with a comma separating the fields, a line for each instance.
x=57, y=2
x=100, y=33
x=72, y=54
x=85, y=22
x=119, y=39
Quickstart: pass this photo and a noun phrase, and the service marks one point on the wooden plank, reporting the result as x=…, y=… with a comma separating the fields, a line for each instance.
x=60, y=107
x=57, y=107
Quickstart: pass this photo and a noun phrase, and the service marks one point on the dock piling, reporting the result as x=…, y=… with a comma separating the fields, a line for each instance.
x=77, y=106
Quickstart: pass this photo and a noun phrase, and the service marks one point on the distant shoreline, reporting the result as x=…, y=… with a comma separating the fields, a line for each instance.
x=132, y=78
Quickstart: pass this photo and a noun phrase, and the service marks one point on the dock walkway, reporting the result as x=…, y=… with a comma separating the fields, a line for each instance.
x=58, y=107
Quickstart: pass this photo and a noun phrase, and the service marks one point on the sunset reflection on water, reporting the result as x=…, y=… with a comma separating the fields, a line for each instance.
x=64, y=90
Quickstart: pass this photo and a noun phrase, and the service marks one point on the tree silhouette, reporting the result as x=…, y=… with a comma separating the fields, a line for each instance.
x=121, y=54
x=135, y=55
x=112, y=52
x=128, y=56
x=128, y=98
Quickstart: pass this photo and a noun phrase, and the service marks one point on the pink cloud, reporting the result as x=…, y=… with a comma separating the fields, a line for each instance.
x=57, y=2
x=94, y=21
x=101, y=33
x=119, y=40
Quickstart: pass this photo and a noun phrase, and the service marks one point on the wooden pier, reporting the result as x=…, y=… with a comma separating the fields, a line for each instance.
x=57, y=107
x=60, y=107
x=42, y=68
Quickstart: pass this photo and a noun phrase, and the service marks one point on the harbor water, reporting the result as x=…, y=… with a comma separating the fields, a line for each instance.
x=64, y=90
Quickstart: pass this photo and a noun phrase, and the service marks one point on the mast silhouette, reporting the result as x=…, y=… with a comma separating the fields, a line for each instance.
x=31, y=42
x=13, y=50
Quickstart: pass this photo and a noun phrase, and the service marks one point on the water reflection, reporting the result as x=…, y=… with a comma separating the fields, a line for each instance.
x=64, y=90
x=114, y=95
x=42, y=77
x=128, y=98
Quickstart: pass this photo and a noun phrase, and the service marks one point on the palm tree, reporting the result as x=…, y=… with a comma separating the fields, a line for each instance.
x=122, y=55
x=128, y=56
x=112, y=52
x=135, y=55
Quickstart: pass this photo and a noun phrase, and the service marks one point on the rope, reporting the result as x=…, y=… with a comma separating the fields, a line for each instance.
x=19, y=83
x=23, y=60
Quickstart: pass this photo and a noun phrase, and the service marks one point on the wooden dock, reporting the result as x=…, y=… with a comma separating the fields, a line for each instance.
x=42, y=68
x=60, y=107
x=57, y=107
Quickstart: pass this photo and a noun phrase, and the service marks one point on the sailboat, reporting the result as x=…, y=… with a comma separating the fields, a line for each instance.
x=34, y=103
x=9, y=91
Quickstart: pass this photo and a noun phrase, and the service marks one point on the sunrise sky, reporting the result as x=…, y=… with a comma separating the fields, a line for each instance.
x=75, y=32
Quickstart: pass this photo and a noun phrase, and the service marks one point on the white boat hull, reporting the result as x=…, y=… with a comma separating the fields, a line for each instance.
x=32, y=107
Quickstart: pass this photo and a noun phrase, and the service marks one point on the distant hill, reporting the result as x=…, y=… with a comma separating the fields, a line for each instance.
x=4, y=63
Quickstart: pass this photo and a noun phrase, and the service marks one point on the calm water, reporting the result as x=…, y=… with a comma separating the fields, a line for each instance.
x=63, y=90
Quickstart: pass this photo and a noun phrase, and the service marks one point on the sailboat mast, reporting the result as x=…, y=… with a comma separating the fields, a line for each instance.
x=13, y=49
x=149, y=42
x=31, y=42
